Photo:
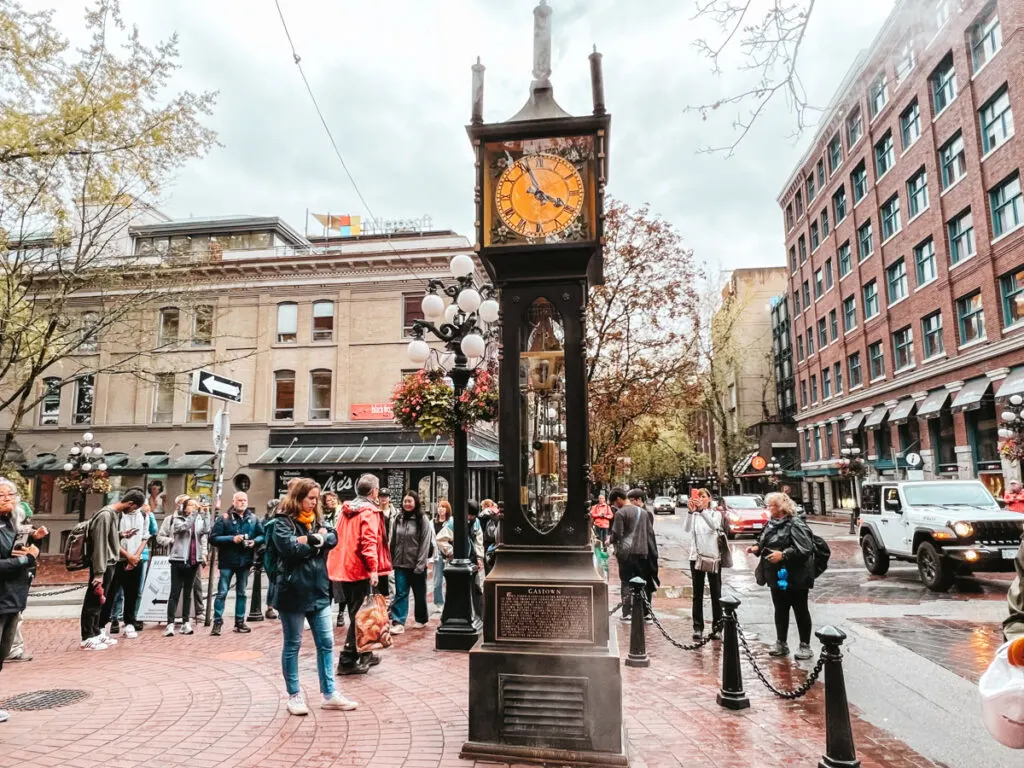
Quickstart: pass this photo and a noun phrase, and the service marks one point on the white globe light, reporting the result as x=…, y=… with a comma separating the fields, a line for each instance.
x=419, y=351
x=462, y=265
x=489, y=311
x=1016, y=401
x=86, y=450
x=473, y=345
x=97, y=450
x=1005, y=433
x=450, y=313
x=75, y=450
x=102, y=467
x=552, y=413
x=433, y=306
x=86, y=466
x=562, y=445
x=68, y=467
x=469, y=300
x=87, y=437
x=1009, y=416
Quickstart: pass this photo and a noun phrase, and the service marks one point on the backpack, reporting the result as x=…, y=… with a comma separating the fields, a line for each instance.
x=270, y=557
x=76, y=549
x=822, y=552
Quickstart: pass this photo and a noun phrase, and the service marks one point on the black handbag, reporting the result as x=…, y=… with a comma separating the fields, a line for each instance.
x=724, y=550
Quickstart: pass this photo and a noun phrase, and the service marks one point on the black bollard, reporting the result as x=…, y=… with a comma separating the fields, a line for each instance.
x=731, y=695
x=637, y=642
x=256, y=604
x=839, y=748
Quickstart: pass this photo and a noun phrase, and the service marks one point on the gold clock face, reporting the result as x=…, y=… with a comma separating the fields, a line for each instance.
x=539, y=195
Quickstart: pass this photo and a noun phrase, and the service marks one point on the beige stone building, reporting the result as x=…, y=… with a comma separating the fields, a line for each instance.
x=315, y=329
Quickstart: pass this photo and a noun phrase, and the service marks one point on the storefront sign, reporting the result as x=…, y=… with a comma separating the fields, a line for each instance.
x=371, y=412
x=758, y=463
x=157, y=591
x=341, y=482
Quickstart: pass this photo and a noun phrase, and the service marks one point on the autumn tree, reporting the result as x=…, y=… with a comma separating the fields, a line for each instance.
x=90, y=137
x=641, y=348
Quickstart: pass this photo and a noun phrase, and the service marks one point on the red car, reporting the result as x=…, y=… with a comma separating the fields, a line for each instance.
x=743, y=514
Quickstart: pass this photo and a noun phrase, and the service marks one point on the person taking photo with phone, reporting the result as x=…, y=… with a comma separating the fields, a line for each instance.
x=701, y=527
x=133, y=531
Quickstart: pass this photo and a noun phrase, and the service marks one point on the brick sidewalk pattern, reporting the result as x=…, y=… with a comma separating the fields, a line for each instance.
x=219, y=702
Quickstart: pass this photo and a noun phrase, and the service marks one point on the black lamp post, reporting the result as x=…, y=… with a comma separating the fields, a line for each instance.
x=84, y=466
x=852, y=465
x=463, y=327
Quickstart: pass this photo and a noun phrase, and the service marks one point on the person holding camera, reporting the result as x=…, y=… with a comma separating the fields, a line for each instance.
x=237, y=534
x=301, y=544
x=702, y=526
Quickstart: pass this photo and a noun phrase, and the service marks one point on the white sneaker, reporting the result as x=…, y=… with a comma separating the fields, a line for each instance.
x=93, y=644
x=3, y=716
x=130, y=633
x=420, y=624
x=297, y=705
x=337, y=701
x=397, y=629
x=107, y=639
x=186, y=628
x=169, y=630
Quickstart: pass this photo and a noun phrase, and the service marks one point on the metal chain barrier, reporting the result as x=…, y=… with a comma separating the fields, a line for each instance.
x=613, y=610
x=54, y=592
x=715, y=629
x=795, y=693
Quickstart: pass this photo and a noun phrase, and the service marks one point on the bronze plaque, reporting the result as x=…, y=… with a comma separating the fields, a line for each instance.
x=544, y=613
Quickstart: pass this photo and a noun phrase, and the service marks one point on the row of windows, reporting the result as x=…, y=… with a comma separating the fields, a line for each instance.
x=168, y=332
x=997, y=126
x=995, y=117
x=970, y=326
x=323, y=319
x=49, y=405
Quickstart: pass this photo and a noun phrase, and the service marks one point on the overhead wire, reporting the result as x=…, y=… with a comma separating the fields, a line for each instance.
x=334, y=144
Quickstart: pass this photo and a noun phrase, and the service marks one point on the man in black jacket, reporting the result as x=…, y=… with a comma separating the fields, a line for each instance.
x=236, y=534
x=16, y=562
x=632, y=535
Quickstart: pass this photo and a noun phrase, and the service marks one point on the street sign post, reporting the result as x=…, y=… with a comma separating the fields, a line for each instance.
x=209, y=383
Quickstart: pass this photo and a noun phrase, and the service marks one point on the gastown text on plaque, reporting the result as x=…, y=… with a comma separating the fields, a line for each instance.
x=555, y=614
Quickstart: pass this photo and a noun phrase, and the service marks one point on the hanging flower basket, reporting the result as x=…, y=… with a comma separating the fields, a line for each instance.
x=424, y=401
x=82, y=482
x=1012, y=448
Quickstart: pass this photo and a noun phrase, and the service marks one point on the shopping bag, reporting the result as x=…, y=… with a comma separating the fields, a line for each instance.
x=373, y=629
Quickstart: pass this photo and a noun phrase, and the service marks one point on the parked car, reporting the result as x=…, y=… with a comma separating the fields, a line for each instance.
x=664, y=505
x=950, y=528
x=743, y=514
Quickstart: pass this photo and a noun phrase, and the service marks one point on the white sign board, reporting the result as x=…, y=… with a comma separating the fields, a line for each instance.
x=157, y=591
x=209, y=383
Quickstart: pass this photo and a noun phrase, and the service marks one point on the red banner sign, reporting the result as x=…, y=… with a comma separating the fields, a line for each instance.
x=371, y=412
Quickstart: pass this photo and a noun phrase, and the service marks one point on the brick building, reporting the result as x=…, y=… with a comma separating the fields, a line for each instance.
x=905, y=243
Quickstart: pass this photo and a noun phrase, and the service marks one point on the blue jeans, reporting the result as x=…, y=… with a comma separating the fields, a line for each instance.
x=323, y=638
x=241, y=576
x=404, y=579
x=439, y=580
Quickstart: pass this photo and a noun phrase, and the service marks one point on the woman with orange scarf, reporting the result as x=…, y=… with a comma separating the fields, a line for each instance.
x=301, y=543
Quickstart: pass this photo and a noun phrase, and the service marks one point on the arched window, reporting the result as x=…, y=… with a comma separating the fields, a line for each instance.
x=323, y=320
x=320, y=390
x=202, y=326
x=167, y=330
x=284, y=395
x=287, y=322
x=49, y=407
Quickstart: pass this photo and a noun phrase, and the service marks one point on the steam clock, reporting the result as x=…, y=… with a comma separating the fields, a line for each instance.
x=545, y=683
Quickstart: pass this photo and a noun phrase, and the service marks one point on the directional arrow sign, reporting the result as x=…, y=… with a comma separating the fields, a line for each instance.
x=208, y=383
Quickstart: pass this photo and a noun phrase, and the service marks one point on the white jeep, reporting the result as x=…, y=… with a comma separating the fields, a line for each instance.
x=950, y=528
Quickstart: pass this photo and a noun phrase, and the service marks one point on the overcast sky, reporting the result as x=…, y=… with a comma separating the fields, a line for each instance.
x=393, y=78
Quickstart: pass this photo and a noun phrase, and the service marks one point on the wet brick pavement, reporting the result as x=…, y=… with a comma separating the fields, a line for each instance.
x=963, y=647
x=206, y=702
